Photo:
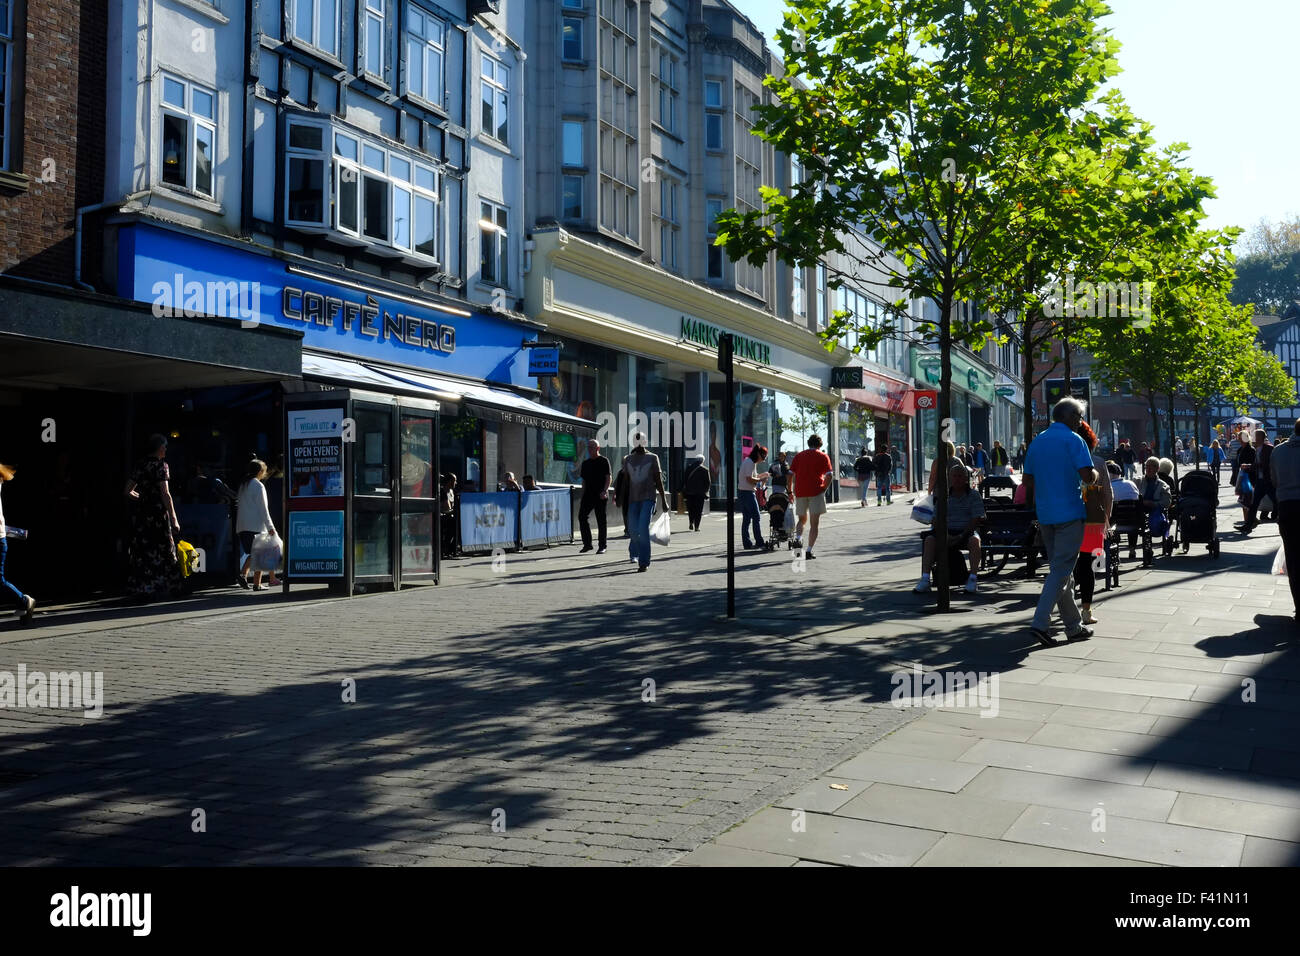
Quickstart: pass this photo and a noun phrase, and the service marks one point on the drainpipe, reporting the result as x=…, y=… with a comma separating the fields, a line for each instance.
x=76, y=255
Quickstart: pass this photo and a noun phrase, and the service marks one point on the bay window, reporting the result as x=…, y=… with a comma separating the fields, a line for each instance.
x=362, y=189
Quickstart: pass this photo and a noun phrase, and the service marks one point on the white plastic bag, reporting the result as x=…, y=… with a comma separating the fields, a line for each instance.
x=1279, y=561
x=923, y=510
x=791, y=522
x=267, y=551
x=661, y=530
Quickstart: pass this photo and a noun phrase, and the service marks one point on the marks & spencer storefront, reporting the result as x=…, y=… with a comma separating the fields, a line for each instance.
x=640, y=353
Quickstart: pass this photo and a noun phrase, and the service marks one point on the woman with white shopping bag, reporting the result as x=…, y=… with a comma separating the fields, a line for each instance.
x=257, y=535
x=644, y=479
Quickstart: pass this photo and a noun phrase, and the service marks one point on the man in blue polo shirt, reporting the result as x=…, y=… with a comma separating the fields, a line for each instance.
x=1057, y=467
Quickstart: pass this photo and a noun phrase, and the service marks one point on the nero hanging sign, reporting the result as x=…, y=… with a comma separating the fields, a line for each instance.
x=543, y=363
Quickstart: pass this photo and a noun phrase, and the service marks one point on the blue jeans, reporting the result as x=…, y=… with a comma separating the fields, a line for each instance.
x=638, y=522
x=864, y=485
x=883, y=487
x=18, y=599
x=749, y=508
x=1062, y=542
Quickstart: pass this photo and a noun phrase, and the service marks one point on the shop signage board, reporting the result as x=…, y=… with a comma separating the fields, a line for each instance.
x=316, y=544
x=316, y=453
x=1080, y=388
x=965, y=375
x=927, y=399
x=742, y=347
x=187, y=275
x=846, y=376
x=543, y=362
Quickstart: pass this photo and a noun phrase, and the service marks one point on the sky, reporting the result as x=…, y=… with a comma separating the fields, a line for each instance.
x=1213, y=74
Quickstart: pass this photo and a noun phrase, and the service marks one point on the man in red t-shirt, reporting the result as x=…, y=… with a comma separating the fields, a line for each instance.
x=810, y=470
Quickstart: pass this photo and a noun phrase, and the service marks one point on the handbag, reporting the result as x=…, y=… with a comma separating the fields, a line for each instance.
x=923, y=510
x=1159, y=523
x=661, y=530
x=1279, y=561
x=267, y=551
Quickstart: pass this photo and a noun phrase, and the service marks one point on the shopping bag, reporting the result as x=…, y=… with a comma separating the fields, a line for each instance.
x=661, y=530
x=267, y=551
x=1279, y=561
x=791, y=522
x=1266, y=504
x=1094, y=538
x=1244, y=485
x=923, y=510
x=1159, y=524
x=185, y=555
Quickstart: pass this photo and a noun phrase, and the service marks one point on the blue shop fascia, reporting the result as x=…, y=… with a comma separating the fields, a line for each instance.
x=358, y=331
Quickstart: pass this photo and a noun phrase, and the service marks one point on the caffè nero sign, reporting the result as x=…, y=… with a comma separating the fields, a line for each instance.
x=701, y=333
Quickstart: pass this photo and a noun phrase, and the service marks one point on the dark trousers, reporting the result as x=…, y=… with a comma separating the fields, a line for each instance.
x=1085, y=576
x=1288, y=527
x=584, y=522
x=695, y=509
x=1262, y=489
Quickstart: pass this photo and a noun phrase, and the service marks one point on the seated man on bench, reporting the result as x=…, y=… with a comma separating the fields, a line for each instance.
x=965, y=512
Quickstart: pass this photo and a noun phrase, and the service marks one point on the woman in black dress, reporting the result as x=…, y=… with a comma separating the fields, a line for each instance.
x=153, y=570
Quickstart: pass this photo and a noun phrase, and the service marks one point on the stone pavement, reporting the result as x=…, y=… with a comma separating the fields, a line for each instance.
x=520, y=697
x=1171, y=738
x=516, y=698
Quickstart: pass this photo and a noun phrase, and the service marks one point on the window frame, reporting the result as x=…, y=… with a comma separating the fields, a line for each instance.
x=711, y=231
x=426, y=45
x=579, y=31
x=315, y=21
x=193, y=123
x=500, y=245
x=8, y=53
x=369, y=17
x=501, y=97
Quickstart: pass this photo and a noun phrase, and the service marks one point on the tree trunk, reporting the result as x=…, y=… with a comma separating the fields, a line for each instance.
x=1172, y=431
x=1027, y=353
x=939, y=571
x=1065, y=354
x=1155, y=422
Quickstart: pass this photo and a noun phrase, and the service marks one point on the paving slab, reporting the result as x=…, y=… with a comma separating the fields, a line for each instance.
x=721, y=854
x=824, y=795
x=831, y=839
x=1261, y=851
x=924, y=743
x=959, y=850
x=1058, y=760
x=910, y=771
x=1237, y=816
x=1072, y=793
x=1231, y=785
x=1234, y=754
x=933, y=810
x=1162, y=843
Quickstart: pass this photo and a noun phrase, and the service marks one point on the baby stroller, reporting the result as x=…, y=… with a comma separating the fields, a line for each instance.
x=1198, y=502
x=778, y=509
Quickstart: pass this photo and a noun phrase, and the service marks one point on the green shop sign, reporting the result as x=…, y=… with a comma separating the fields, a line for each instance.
x=965, y=376
x=693, y=330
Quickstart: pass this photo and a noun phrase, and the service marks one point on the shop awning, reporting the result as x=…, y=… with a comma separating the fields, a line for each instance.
x=493, y=404
x=65, y=338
